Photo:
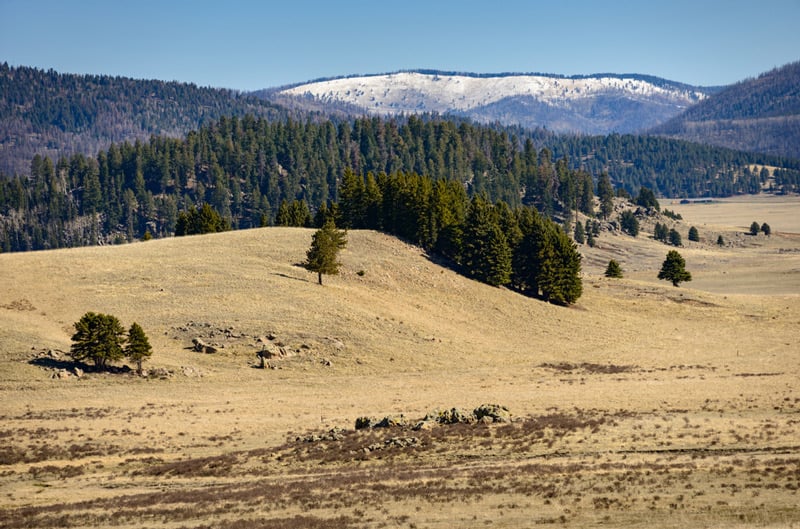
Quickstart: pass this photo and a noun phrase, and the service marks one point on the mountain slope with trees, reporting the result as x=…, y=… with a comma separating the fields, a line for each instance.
x=761, y=115
x=54, y=114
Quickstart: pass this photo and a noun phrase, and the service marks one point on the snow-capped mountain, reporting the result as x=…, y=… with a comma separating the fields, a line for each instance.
x=590, y=104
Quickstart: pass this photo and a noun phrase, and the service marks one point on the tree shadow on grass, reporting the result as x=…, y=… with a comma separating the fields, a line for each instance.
x=67, y=364
x=57, y=363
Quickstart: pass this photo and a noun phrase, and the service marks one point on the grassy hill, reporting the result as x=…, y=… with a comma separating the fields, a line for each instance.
x=643, y=404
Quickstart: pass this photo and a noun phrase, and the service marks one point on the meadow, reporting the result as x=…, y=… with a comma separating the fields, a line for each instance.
x=642, y=405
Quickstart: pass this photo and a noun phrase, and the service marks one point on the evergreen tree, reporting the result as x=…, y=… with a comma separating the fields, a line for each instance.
x=675, y=238
x=720, y=241
x=674, y=269
x=199, y=221
x=766, y=229
x=647, y=199
x=580, y=234
x=486, y=255
x=629, y=223
x=138, y=348
x=661, y=232
x=352, y=200
x=322, y=256
x=693, y=234
x=613, y=269
x=754, y=228
x=293, y=214
x=605, y=191
x=590, y=240
x=98, y=337
x=560, y=268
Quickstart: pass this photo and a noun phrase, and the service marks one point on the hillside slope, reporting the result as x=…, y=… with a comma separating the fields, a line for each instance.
x=760, y=115
x=389, y=302
x=596, y=104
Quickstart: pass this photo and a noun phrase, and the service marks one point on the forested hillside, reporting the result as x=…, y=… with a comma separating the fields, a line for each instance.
x=246, y=168
x=676, y=168
x=761, y=115
x=45, y=112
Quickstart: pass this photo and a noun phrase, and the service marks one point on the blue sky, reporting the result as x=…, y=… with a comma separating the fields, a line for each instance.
x=249, y=45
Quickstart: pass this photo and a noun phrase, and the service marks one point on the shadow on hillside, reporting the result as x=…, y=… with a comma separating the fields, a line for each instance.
x=444, y=262
x=280, y=274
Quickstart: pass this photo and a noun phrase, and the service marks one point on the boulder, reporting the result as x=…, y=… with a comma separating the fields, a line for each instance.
x=201, y=347
x=454, y=416
x=388, y=422
x=364, y=422
x=495, y=412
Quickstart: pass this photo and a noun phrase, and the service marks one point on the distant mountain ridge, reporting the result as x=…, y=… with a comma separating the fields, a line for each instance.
x=56, y=114
x=761, y=114
x=592, y=104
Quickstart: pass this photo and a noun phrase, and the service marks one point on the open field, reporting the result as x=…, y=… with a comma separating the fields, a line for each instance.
x=644, y=405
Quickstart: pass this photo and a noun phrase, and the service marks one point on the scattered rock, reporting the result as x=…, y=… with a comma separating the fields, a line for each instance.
x=388, y=422
x=452, y=416
x=189, y=371
x=401, y=442
x=201, y=347
x=424, y=426
x=334, y=434
x=160, y=372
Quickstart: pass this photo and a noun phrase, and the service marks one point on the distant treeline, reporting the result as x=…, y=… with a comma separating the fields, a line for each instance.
x=246, y=167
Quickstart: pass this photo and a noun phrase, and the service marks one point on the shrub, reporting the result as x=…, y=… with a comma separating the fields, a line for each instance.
x=613, y=269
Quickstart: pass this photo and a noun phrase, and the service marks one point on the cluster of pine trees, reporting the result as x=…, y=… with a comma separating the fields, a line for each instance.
x=490, y=242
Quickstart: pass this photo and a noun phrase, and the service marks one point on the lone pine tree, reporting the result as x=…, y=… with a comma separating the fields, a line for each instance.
x=674, y=269
x=324, y=252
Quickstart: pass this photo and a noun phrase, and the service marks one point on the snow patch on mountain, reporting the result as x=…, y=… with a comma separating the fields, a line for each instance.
x=413, y=92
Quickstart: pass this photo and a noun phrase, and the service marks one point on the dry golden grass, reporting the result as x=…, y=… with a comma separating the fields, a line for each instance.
x=644, y=405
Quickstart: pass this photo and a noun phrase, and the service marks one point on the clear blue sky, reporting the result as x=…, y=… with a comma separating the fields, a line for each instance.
x=249, y=45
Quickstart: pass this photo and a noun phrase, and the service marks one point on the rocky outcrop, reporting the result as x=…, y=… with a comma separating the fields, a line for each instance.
x=484, y=414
